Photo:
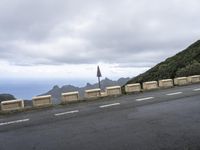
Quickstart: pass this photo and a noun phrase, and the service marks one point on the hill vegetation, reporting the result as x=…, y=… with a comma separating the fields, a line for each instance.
x=185, y=63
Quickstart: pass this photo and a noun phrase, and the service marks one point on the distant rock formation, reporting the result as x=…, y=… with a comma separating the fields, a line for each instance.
x=56, y=90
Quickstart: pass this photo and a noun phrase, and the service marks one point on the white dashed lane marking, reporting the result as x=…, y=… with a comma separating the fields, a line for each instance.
x=65, y=113
x=12, y=122
x=145, y=98
x=197, y=89
x=109, y=105
x=176, y=93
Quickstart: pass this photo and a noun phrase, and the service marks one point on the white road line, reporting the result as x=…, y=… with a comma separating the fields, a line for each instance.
x=196, y=89
x=176, y=93
x=12, y=122
x=65, y=113
x=109, y=105
x=143, y=99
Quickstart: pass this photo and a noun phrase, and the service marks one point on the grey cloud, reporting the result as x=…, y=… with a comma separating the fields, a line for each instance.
x=133, y=33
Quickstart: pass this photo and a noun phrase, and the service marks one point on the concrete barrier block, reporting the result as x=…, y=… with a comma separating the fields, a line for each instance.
x=103, y=94
x=70, y=97
x=92, y=93
x=133, y=88
x=194, y=79
x=150, y=85
x=113, y=90
x=12, y=105
x=166, y=83
x=42, y=100
x=181, y=81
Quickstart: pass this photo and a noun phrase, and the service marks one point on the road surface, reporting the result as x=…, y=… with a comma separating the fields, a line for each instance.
x=158, y=120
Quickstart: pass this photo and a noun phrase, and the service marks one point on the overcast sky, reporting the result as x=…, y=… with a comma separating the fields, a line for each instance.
x=68, y=38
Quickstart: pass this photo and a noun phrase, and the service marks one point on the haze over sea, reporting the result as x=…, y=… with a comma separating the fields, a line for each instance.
x=26, y=89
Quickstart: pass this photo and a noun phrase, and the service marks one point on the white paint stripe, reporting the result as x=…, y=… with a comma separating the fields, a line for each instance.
x=68, y=112
x=196, y=89
x=143, y=99
x=174, y=93
x=109, y=105
x=12, y=122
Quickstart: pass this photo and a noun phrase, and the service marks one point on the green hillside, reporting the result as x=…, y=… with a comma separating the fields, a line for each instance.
x=184, y=63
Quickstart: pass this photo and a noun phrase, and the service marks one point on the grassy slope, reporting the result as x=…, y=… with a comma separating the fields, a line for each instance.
x=184, y=63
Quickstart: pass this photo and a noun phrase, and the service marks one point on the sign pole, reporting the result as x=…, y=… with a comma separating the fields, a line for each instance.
x=99, y=82
x=99, y=75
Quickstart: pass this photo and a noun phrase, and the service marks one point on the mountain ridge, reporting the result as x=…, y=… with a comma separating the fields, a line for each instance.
x=56, y=91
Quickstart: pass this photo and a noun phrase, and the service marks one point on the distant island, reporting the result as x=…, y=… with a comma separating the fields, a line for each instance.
x=5, y=97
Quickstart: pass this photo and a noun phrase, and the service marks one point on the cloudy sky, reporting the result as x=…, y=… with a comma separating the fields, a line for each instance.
x=67, y=39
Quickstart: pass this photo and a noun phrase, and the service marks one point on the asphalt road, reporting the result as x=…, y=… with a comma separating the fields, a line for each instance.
x=157, y=120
